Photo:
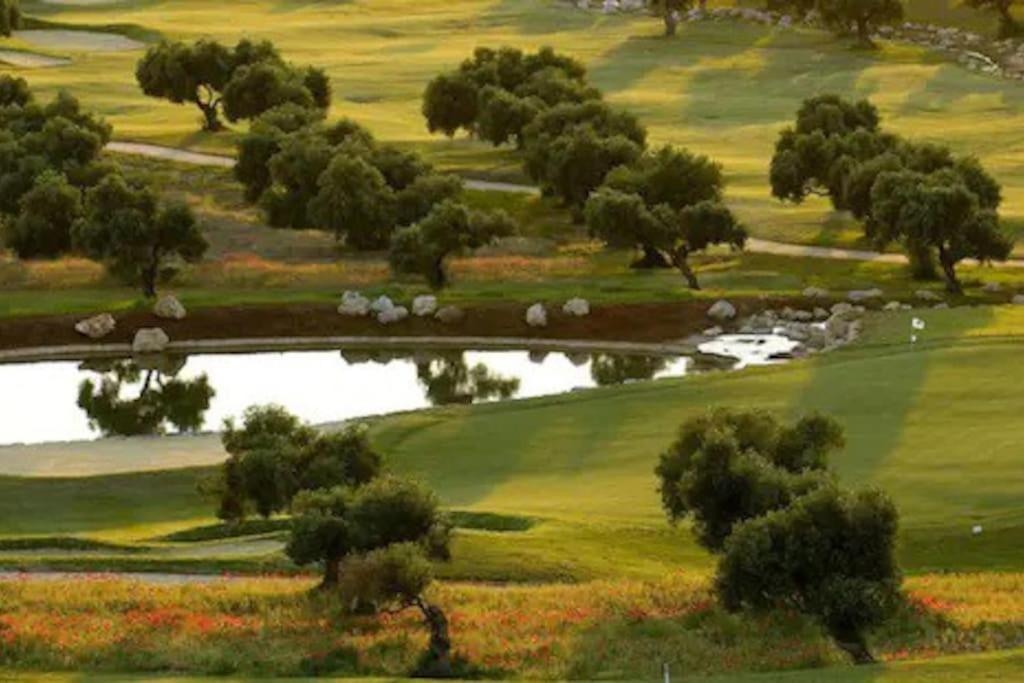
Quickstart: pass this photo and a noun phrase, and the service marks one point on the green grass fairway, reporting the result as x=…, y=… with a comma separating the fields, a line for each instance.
x=935, y=425
x=721, y=89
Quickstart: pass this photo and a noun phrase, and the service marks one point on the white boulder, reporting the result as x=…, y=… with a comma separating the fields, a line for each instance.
x=715, y=331
x=392, y=315
x=150, y=340
x=381, y=304
x=354, y=303
x=926, y=295
x=1018, y=299
x=537, y=316
x=815, y=293
x=893, y=306
x=992, y=288
x=425, y=305
x=96, y=327
x=577, y=307
x=169, y=308
x=722, y=311
x=450, y=314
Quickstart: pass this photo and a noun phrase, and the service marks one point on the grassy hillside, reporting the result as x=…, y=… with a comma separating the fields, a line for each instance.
x=721, y=89
x=932, y=424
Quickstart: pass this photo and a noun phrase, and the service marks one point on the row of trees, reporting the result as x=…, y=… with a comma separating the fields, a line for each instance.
x=761, y=498
x=58, y=195
x=306, y=173
x=242, y=82
x=374, y=534
x=593, y=157
x=939, y=206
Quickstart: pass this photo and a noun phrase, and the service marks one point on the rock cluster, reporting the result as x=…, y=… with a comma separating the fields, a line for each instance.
x=387, y=312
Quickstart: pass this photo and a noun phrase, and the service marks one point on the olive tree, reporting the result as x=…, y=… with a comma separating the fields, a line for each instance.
x=47, y=213
x=125, y=225
x=862, y=16
x=354, y=202
x=449, y=228
x=829, y=554
x=670, y=11
x=667, y=204
x=274, y=456
x=940, y=212
x=730, y=466
x=394, y=579
x=330, y=524
x=244, y=81
x=447, y=379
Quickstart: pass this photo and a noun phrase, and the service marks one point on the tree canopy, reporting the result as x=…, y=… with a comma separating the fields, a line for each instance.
x=49, y=155
x=1009, y=26
x=449, y=228
x=838, y=149
x=244, y=81
x=860, y=16
x=141, y=239
x=668, y=204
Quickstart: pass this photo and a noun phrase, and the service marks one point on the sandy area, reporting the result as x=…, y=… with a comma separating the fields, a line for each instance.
x=81, y=41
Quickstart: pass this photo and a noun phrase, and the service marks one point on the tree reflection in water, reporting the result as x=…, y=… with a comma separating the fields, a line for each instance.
x=448, y=379
x=162, y=400
x=606, y=369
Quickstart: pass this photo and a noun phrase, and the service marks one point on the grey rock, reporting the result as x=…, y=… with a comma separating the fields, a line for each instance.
x=96, y=327
x=815, y=293
x=392, y=315
x=576, y=307
x=354, y=304
x=450, y=314
x=424, y=305
x=150, y=340
x=381, y=304
x=926, y=295
x=721, y=311
x=860, y=295
x=169, y=308
x=537, y=316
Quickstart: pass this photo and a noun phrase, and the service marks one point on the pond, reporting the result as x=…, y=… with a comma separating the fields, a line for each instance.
x=77, y=400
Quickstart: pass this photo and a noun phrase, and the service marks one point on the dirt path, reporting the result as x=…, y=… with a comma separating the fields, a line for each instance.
x=30, y=60
x=758, y=246
x=150, y=578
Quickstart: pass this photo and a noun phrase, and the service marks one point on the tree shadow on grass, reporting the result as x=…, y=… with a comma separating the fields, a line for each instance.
x=533, y=18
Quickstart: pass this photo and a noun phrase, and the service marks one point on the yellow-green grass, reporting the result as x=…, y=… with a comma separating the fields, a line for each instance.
x=933, y=424
x=722, y=89
x=617, y=630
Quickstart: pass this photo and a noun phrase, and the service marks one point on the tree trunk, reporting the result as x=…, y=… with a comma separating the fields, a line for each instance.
x=1008, y=26
x=332, y=573
x=922, y=263
x=437, y=661
x=863, y=34
x=853, y=643
x=211, y=122
x=652, y=258
x=671, y=22
x=680, y=259
x=438, y=277
x=949, y=271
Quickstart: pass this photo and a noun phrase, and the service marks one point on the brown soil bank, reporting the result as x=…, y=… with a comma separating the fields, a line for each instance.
x=650, y=322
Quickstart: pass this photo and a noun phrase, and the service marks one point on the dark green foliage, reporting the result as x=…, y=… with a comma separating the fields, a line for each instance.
x=125, y=226
x=307, y=174
x=497, y=93
x=667, y=203
x=728, y=466
x=448, y=229
x=448, y=379
x=10, y=17
x=47, y=212
x=829, y=554
x=861, y=17
x=14, y=91
x=273, y=456
x=163, y=399
x=246, y=81
x=837, y=149
x=330, y=524
x=938, y=211
x=52, y=152
x=355, y=202
x=578, y=161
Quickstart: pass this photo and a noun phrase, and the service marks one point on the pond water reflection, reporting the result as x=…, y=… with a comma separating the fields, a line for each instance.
x=68, y=400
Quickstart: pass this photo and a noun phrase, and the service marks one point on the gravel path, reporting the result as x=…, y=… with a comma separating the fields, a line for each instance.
x=758, y=246
x=151, y=578
x=30, y=60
